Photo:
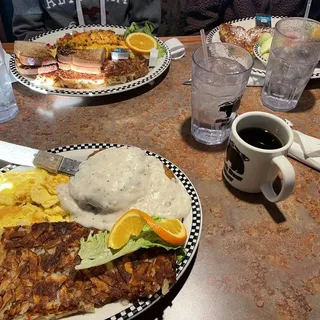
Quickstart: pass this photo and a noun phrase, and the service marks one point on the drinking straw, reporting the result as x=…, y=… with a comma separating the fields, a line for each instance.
x=204, y=48
x=306, y=14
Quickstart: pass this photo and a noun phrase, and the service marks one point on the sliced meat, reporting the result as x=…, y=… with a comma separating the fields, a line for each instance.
x=31, y=71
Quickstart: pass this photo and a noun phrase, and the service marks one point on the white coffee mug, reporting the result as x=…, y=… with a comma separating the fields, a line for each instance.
x=251, y=169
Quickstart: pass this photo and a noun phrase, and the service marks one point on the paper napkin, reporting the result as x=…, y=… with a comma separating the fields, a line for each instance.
x=176, y=48
x=255, y=81
x=306, y=149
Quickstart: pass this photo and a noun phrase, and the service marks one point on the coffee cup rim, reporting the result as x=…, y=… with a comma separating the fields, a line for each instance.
x=267, y=115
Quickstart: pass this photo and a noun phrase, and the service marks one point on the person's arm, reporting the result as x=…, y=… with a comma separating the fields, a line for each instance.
x=27, y=19
x=142, y=11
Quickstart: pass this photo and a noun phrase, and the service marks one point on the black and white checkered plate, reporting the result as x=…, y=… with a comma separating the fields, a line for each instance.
x=258, y=68
x=193, y=224
x=52, y=36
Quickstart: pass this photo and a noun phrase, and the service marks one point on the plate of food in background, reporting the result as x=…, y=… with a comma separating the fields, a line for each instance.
x=90, y=61
x=246, y=34
x=106, y=243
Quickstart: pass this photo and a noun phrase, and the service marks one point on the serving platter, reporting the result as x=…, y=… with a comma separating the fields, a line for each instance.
x=193, y=224
x=51, y=37
x=259, y=68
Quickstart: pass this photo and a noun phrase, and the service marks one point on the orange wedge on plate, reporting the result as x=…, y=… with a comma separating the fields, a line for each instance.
x=172, y=230
x=141, y=42
x=131, y=223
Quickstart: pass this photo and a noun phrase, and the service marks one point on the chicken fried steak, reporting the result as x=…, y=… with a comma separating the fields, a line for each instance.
x=38, y=276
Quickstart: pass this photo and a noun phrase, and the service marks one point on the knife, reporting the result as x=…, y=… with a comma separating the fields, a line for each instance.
x=30, y=157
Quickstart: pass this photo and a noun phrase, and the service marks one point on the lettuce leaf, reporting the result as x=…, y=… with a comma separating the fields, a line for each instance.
x=161, y=49
x=148, y=28
x=131, y=29
x=94, y=251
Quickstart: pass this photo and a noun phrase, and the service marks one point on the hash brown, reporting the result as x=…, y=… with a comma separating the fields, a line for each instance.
x=38, y=276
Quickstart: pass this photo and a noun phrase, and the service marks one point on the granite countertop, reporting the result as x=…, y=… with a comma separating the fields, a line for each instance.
x=256, y=260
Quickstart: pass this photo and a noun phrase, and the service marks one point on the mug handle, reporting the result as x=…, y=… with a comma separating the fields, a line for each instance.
x=279, y=163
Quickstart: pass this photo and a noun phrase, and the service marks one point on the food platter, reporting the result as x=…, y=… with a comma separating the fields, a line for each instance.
x=193, y=224
x=247, y=23
x=52, y=36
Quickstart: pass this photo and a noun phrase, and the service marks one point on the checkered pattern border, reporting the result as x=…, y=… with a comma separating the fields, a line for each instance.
x=194, y=236
x=258, y=55
x=153, y=73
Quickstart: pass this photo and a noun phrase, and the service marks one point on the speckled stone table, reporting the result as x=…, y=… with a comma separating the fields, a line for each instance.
x=256, y=260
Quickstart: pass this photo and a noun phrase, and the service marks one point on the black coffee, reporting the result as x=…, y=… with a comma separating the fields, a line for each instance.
x=260, y=138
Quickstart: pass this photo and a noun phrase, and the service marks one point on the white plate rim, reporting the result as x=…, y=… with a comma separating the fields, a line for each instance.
x=114, y=89
x=135, y=309
x=255, y=71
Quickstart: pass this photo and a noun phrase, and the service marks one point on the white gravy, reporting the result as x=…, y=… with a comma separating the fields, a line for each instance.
x=118, y=179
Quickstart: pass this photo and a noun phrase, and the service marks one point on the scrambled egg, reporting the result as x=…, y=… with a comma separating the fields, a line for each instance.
x=29, y=197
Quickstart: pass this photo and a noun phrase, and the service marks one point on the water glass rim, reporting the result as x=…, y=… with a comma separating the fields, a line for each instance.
x=277, y=26
x=225, y=44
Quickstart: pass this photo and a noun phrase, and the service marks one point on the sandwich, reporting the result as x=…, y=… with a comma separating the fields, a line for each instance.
x=79, y=80
x=111, y=72
x=33, y=58
x=81, y=60
x=78, y=69
x=71, y=79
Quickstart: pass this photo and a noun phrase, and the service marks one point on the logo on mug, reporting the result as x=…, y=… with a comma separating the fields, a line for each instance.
x=234, y=162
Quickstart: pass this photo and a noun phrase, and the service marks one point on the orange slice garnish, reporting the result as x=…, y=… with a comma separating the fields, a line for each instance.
x=131, y=223
x=141, y=42
x=172, y=230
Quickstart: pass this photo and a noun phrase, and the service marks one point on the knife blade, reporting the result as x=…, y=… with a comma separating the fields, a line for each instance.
x=30, y=157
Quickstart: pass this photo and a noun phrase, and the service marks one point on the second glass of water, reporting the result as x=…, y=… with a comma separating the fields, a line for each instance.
x=295, y=52
x=217, y=88
x=8, y=106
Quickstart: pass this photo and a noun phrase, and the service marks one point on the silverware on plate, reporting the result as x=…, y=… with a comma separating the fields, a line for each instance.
x=30, y=157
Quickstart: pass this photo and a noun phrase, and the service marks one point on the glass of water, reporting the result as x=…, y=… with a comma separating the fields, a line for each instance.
x=217, y=89
x=295, y=52
x=8, y=106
